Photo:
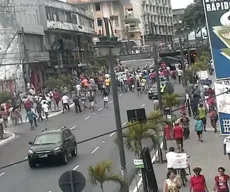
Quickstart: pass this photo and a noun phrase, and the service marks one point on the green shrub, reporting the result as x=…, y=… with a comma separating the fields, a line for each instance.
x=5, y=96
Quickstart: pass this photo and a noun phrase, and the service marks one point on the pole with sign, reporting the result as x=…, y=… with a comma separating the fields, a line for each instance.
x=223, y=106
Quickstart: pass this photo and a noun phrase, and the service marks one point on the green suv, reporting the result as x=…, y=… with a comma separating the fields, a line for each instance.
x=52, y=145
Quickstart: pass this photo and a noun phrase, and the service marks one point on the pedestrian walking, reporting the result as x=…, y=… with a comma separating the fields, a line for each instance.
x=35, y=117
x=172, y=183
x=30, y=116
x=39, y=111
x=202, y=115
x=5, y=115
x=76, y=100
x=221, y=181
x=199, y=127
x=197, y=182
x=106, y=99
x=213, y=118
x=45, y=108
x=65, y=103
x=178, y=134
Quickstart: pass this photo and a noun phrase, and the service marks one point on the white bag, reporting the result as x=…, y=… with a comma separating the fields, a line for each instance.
x=106, y=98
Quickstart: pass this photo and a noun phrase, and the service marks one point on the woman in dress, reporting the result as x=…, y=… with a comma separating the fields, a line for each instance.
x=172, y=184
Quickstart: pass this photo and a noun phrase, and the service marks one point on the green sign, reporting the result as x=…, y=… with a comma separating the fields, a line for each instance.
x=138, y=163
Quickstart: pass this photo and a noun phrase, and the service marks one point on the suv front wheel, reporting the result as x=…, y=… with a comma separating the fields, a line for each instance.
x=32, y=163
x=74, y=151
x=64, y=158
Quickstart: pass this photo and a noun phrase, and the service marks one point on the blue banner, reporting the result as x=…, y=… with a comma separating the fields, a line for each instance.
x=224, y=119
x=218, y=25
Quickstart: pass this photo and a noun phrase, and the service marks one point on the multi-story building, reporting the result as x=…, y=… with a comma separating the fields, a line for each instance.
x=177, y=19
x=125, y=26
x=39, y=35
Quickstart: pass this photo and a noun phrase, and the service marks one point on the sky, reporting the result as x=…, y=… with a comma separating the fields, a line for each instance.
x=177, y=4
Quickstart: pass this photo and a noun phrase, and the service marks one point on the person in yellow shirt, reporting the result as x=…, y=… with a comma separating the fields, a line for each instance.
x=202, y=115
x=107, y=85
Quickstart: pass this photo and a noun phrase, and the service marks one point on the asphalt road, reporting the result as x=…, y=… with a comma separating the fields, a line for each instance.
x=21, y=178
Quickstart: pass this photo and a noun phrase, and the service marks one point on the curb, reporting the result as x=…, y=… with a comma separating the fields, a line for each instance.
x=5, y=141
x=138, y=183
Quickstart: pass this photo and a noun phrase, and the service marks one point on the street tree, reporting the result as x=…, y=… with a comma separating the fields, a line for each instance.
x=136, y=132
x=102, y=172
x=171, y=100
x=194, y=17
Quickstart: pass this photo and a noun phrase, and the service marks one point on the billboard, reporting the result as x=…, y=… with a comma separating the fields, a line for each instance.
x=223, y=106
x=218, y=24
x=87, y=1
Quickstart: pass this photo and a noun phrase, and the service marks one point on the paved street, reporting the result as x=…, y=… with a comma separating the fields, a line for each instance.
x=87, y=125
x=21, y=178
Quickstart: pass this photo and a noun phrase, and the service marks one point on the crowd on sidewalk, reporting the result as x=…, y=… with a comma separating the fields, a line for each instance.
x=201, y=110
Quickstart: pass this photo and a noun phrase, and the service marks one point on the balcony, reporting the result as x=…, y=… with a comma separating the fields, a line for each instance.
x=59, y=25
x=36, y=57
x=134, y=29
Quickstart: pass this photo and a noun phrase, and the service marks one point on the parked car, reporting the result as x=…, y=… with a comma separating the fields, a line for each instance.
x=153, y=92
x=52, y=145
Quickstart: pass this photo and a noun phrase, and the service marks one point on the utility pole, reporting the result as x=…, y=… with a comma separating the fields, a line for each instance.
x=182, y=63
x=159, y=98
x=26, y=60
x=118, y=120
x=189, y=56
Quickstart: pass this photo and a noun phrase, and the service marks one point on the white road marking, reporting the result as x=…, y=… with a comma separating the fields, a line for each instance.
x=73, y=127
x=2, y=174
x=95, y=149
x=143, y=105
x=124, y=123
x=100, y=109
x=94, y=113
x=111, y=101
x=26, y=157
x=111, y=134
x=75, y=167
x=87, y=117
x=103, y=141
x=121, y=94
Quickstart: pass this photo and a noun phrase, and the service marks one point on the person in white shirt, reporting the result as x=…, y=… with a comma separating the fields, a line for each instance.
x=170, y=157
x=78, y=89
x=35, y=118
x=65, y=102
x=45, y=108
x=179, y=74
x=226, y=143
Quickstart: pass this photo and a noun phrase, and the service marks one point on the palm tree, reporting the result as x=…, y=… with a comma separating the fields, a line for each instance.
x=102, y=172
x=135, y=133
x=171, y=100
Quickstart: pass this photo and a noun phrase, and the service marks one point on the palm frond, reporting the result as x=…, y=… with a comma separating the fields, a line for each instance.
x=171, y=100
x=116, y=178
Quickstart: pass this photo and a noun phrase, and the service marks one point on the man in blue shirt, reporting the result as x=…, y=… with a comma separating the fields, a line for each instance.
x=30, y=115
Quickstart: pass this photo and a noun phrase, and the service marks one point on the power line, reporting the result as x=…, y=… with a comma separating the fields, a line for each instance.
x=107, y=133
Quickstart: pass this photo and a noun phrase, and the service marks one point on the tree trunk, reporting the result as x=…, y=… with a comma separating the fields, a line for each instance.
x=102, y=188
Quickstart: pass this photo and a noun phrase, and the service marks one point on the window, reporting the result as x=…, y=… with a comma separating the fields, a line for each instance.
x=47, y=139
x=74, y=18
x=35, y=20
x=116, y=21
x=48, y=13
x=99, y=22
x=67, y=17
x=115, y=6
x=97, y=7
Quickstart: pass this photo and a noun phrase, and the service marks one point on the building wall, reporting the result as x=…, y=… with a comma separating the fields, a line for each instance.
x=177, y=19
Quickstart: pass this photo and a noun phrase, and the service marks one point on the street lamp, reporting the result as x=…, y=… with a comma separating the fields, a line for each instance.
x=110, y=48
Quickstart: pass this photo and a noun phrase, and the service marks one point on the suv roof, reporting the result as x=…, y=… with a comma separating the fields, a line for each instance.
x=43, y=132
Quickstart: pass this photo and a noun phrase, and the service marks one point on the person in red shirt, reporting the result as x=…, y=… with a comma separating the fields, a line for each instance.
x=197, y=182
x=221, y=181
x=178, y=133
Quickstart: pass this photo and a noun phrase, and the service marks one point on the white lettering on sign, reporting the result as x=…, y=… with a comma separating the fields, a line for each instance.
x=138, y=162
x=226, y=125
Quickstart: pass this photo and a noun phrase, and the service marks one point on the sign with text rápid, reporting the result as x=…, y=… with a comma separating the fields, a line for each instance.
x=218, y=25
x=223, y=106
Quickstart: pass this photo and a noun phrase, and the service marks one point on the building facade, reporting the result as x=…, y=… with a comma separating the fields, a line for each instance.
x=177, y=19
x=41, y=36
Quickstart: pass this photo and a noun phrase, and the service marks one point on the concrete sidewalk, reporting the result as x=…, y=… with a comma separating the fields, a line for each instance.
x=207, y=155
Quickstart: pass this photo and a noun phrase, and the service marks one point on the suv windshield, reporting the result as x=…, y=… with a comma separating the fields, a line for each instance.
x=47, y=139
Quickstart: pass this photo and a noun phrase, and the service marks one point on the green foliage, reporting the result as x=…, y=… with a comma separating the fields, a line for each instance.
x=194, y=17
x=60, y=82
x=171, y=100
x=102, y=172
x=5, y=96
x=98, y=64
